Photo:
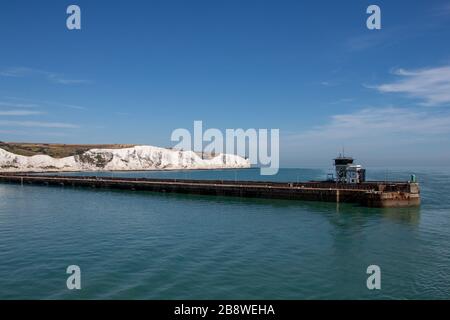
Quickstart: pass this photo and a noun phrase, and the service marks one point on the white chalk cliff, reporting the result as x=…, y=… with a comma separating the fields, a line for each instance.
x=136, y=158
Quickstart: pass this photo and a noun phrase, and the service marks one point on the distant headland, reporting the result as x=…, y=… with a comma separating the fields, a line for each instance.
x=42, y=157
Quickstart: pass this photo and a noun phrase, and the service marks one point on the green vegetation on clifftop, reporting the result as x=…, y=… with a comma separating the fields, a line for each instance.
x=56, y=150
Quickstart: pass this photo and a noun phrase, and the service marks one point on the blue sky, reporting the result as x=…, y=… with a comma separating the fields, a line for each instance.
x=140, y=69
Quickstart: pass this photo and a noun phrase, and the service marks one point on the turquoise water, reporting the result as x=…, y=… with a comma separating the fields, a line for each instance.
x=142, y=245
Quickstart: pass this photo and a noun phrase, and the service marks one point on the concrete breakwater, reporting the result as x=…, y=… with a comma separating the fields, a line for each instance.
x=370, y=194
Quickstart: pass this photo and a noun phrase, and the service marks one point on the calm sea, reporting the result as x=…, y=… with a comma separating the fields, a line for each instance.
x=142, y=245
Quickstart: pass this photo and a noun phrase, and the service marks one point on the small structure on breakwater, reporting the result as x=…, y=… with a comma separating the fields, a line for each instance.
x=347, y=172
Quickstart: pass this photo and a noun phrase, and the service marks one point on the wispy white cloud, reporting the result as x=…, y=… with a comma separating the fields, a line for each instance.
x=22, y=72
x=58, y=79
x=379, y=122
x=38, y=124
x=431, y=85
x=376, y=135
x=36, y=103
x=13, y=132
x=17, y=105
x=19, y=113
x=15, y=72
x=64, y=105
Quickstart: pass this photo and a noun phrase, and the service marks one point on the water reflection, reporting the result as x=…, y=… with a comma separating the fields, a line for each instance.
x=336, y=213
x=409, y=215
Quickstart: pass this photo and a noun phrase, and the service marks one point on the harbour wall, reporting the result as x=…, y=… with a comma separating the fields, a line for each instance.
x=370, y=194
